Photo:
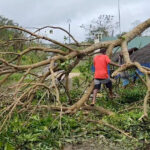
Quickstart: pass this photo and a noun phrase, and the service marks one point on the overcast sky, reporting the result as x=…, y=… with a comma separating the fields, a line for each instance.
x=39, y=13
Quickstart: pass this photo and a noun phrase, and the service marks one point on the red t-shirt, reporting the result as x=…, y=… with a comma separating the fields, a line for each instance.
x=100, y=64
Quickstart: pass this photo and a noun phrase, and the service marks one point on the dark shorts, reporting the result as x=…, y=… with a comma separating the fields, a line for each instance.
x=98, y=83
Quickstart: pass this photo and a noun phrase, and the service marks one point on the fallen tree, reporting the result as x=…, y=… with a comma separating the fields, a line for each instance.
x=24, y=92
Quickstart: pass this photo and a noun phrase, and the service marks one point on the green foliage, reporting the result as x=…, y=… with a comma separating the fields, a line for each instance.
x=129, y=123
x=75, y=94
x=32, y=57
x=39, y=94
x=63, y=98
x=65, y=64
x=12, y=78
x=123, y=37
x=125, y=120
x=105, y=102
x=85, y=68
x=40, y=132
x=10, y=34
x=132, y=94
x=64, y=49
x=76, y=82
x=15, y=77
x=48, y=131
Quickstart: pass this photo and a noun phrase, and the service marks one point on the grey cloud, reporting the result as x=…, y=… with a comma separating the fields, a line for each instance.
x=29, y=13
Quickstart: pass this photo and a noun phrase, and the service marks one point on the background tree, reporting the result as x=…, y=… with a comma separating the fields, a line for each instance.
x=105, y=24
x=11, y=37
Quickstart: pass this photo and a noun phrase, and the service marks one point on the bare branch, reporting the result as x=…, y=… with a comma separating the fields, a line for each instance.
x=37, y=36
x=77, y=43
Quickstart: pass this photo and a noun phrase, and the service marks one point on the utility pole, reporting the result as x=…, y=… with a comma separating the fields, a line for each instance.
x=69, y=21
x=119, y=16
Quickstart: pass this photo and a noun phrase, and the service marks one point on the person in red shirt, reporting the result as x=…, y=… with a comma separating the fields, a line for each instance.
x=101, y=76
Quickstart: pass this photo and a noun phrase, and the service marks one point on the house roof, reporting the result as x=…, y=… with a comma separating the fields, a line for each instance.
x=139, y=55
x=138, y=42
x=142, y=55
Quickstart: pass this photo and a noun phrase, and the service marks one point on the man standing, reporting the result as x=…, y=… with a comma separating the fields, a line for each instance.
x=101, y=76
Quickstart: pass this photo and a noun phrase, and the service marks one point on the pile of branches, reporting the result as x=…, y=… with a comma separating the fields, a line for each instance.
x=24, y=92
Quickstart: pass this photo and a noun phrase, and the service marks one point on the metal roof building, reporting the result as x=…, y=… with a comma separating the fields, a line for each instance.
x=138, y=42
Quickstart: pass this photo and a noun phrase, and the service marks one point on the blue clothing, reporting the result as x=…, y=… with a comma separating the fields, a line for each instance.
x=145, y=65
x=125, y=82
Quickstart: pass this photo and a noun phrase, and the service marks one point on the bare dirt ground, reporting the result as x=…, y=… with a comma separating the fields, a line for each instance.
x=99, y=143
x=76, y=74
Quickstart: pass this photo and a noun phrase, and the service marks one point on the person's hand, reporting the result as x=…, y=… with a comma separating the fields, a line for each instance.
x=123, y=65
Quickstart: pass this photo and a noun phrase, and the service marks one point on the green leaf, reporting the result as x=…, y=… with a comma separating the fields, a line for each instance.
x=51, y=31
x=1, y=144
x=9, y=146
x=35, y=117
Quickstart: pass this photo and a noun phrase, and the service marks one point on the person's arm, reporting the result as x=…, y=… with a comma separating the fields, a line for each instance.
x=109, y=61
x=114, y=64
